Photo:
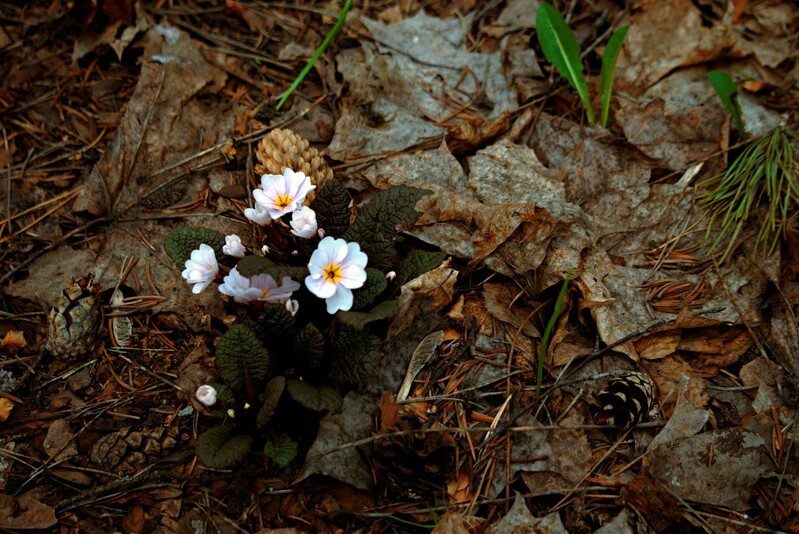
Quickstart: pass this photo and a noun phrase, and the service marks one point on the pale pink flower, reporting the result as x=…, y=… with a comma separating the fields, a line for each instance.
x=201, y=268
x=260, y=287
x=233, y=246
x=258, y=215
x=336, y=268
x=303, y=222
x=282, y=194
x=206, y=394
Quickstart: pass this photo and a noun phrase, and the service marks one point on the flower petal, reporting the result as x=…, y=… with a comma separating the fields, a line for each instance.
x=320, y=287
x=341, y=300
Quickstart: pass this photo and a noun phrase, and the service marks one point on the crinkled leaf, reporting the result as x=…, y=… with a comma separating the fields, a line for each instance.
x=240, y=357
x=390, y=212
x=323, y=398
x=182, y=241
x=274, y=391
x=609, y=59
x=561, y=49
x=275, y=328
x=281, y=449
x=332, y=207
x=355, y=354
x=221, y=448
x=253, y=265
x=309, y=348
x=359, y=320
x=223, y=393
x=374, y=285
x=416, y=263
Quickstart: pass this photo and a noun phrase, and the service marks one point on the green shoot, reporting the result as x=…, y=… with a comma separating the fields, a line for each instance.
x=542, y=350
x=609, y=59
x=319, y=51
x=561, y=49
x=728, y=94
x=765, y=170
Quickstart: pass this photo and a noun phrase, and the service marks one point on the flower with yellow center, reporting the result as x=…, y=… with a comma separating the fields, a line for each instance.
x=336, y=268
x=259, y=287
x=282, y=194
x=201, y=268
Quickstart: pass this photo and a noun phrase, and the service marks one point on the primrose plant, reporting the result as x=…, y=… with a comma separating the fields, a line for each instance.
x=311, y=293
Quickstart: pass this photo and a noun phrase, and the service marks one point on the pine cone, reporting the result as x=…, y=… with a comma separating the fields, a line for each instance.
x=282, y=149
x=127, y=451
x=73, y=321
x=626, y=400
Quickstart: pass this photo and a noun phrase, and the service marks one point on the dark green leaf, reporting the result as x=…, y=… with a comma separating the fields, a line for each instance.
x=223, y=393
x=416, y=263
x=323, y=398
x=309, y=348
x=182, y=241
x=609, y=59
x=221, y=448
x=561, y=49
x=281, y=449
x=240, y=356
x=275, y=328
x=356, y=354
x=390, y=212
x=272, y=395
x=374, y=285
x=332, y=207
x=359, y=320
x=728, y=94
x=254, y=265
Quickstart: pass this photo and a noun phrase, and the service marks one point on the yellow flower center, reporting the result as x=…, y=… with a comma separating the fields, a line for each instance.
x=283, y=201
x=333, y=273
x=264, y=293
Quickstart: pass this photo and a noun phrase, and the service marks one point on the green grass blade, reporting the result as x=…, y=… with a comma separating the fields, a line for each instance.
x=542, y=350
x=727, y=92
x=561, y=49
x=609, y=59
x=319, y=51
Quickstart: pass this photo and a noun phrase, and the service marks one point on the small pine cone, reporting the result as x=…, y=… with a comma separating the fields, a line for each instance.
x=626, y=400
x=73, y=321
x=282, y=149
x=129, y=451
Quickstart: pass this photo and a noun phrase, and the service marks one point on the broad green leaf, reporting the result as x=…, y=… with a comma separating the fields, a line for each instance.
x=609, y=59
x=332, y=207
x=323, y=398
x=182, y=241
x=374, y=285
x=221, y=448
x=274, y=391
x=241, y=358
x=309, y=349
x=356, y=354
x=359, y=320
x=728, y=94
x=416, y=263
x=561, y=49
x=281, y=449
x=253, y=265
x=275, y=328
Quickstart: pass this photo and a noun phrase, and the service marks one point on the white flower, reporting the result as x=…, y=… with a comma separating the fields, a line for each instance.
x=292, y=306
x=259, y=287
x=258, y=215
x=206, y=394
x=201, y=269
x=303, y=222
x=233, y=246
x=284, y=193
x=336, y=267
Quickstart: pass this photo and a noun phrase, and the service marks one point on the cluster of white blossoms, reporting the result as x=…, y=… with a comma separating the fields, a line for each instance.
x=336, y=267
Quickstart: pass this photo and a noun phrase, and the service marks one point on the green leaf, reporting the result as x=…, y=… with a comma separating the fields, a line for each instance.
x=323, y=398
x=374, y=285
x=275, y=328
x=378, y=222
x=274, y=391
x=609, y=59
x=240, y=357
x=416, y=263
x=182, y=241
x=728, y=94
x=223, y=393
x=221, y=448
x=254, y=265
x=359, y=320
x=561, y=49
x=281, y=449
x=542, y=348
x=332, y=207
x=355, y=354
x=309, y=348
